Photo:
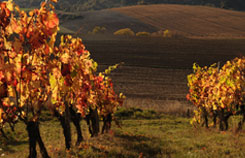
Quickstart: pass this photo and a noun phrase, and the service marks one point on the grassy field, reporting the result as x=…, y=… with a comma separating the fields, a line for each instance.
x=157, y=136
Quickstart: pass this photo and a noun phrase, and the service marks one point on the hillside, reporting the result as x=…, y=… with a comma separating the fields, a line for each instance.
x=190, y=21
x=194, y=21
x=85, y=5
x=111, y=20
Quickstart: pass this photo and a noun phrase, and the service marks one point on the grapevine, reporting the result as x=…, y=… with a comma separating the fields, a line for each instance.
x=34, y=71
x=218, y=92
x=24, y=62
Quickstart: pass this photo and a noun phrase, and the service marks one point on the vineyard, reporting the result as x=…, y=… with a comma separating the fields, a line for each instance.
x=36, y=74
x=50, y=83
x=218, y=92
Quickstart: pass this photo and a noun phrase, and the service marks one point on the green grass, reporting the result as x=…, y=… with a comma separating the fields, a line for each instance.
x=166, y=136
x=27, y=9
x=65, y=30
x=136, y=113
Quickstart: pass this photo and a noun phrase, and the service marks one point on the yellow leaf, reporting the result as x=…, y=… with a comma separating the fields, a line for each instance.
x=65, y=58
x=214, y=107
x=16, y=27
x=17, y=61
x=34, y=77
x=52, y=42
x=6, y=101
x=9, y=5
x=17, y=9
x=7, y=44
x=1, y=110
x=23, y=113
x=55, y=1
x=11, y=92
x=52, y=81
x=54, y=88
x=8, y=76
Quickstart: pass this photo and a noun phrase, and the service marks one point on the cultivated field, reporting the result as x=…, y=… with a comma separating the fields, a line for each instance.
x=191, y=21
x=85, y=21
x=154, y=74
x=183, y=20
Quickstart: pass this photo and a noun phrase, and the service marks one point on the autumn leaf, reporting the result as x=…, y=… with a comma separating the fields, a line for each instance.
x=55, y=1
x=10, y=5
x=15, y=26
x=65, y=58
x=51, y=21
x=1, y=111
x=17, y=45
x=5, y=12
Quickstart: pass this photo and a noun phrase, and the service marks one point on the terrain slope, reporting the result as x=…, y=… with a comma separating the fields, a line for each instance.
x=191, y=21
x=185, y=20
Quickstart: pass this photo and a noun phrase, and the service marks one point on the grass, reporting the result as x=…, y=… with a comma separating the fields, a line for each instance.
x=27, y=9
x=173, y=107
x=157, y=136
x=65, y=30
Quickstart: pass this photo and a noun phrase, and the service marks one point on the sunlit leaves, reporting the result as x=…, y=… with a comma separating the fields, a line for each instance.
x=1, y=111
x=218, y=89
x=54, y=88
x=55, y=1
x=26, y=41
x=51, y=22
x=32, y=68
x=4, y=14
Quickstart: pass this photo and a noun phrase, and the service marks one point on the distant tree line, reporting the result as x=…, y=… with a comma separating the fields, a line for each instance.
x=84, y=5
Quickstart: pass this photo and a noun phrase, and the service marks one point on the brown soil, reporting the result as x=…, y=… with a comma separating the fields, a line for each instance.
x=156, y=69
x=192, y=21
x=111, y=20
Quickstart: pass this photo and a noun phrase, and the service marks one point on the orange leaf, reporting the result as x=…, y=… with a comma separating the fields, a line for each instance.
x=1, y=110
x=17, y=45
x=55, y=1
x=52, y=21
x=9, y=5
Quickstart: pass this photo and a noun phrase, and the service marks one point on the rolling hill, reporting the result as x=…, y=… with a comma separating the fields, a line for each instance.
x=155, y=69
x=190, y=21
x=85, y=5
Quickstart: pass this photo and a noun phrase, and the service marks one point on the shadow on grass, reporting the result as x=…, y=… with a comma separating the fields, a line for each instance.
x=129, y=113
x=131, y=146
x=147, y=146
x=131, y=137
x=6, y=144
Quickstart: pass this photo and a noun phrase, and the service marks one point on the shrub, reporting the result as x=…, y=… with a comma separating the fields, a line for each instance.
x=167, y=33
x=157, y=34
x=97, y=30
x=143, y=34
x=125, y=32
